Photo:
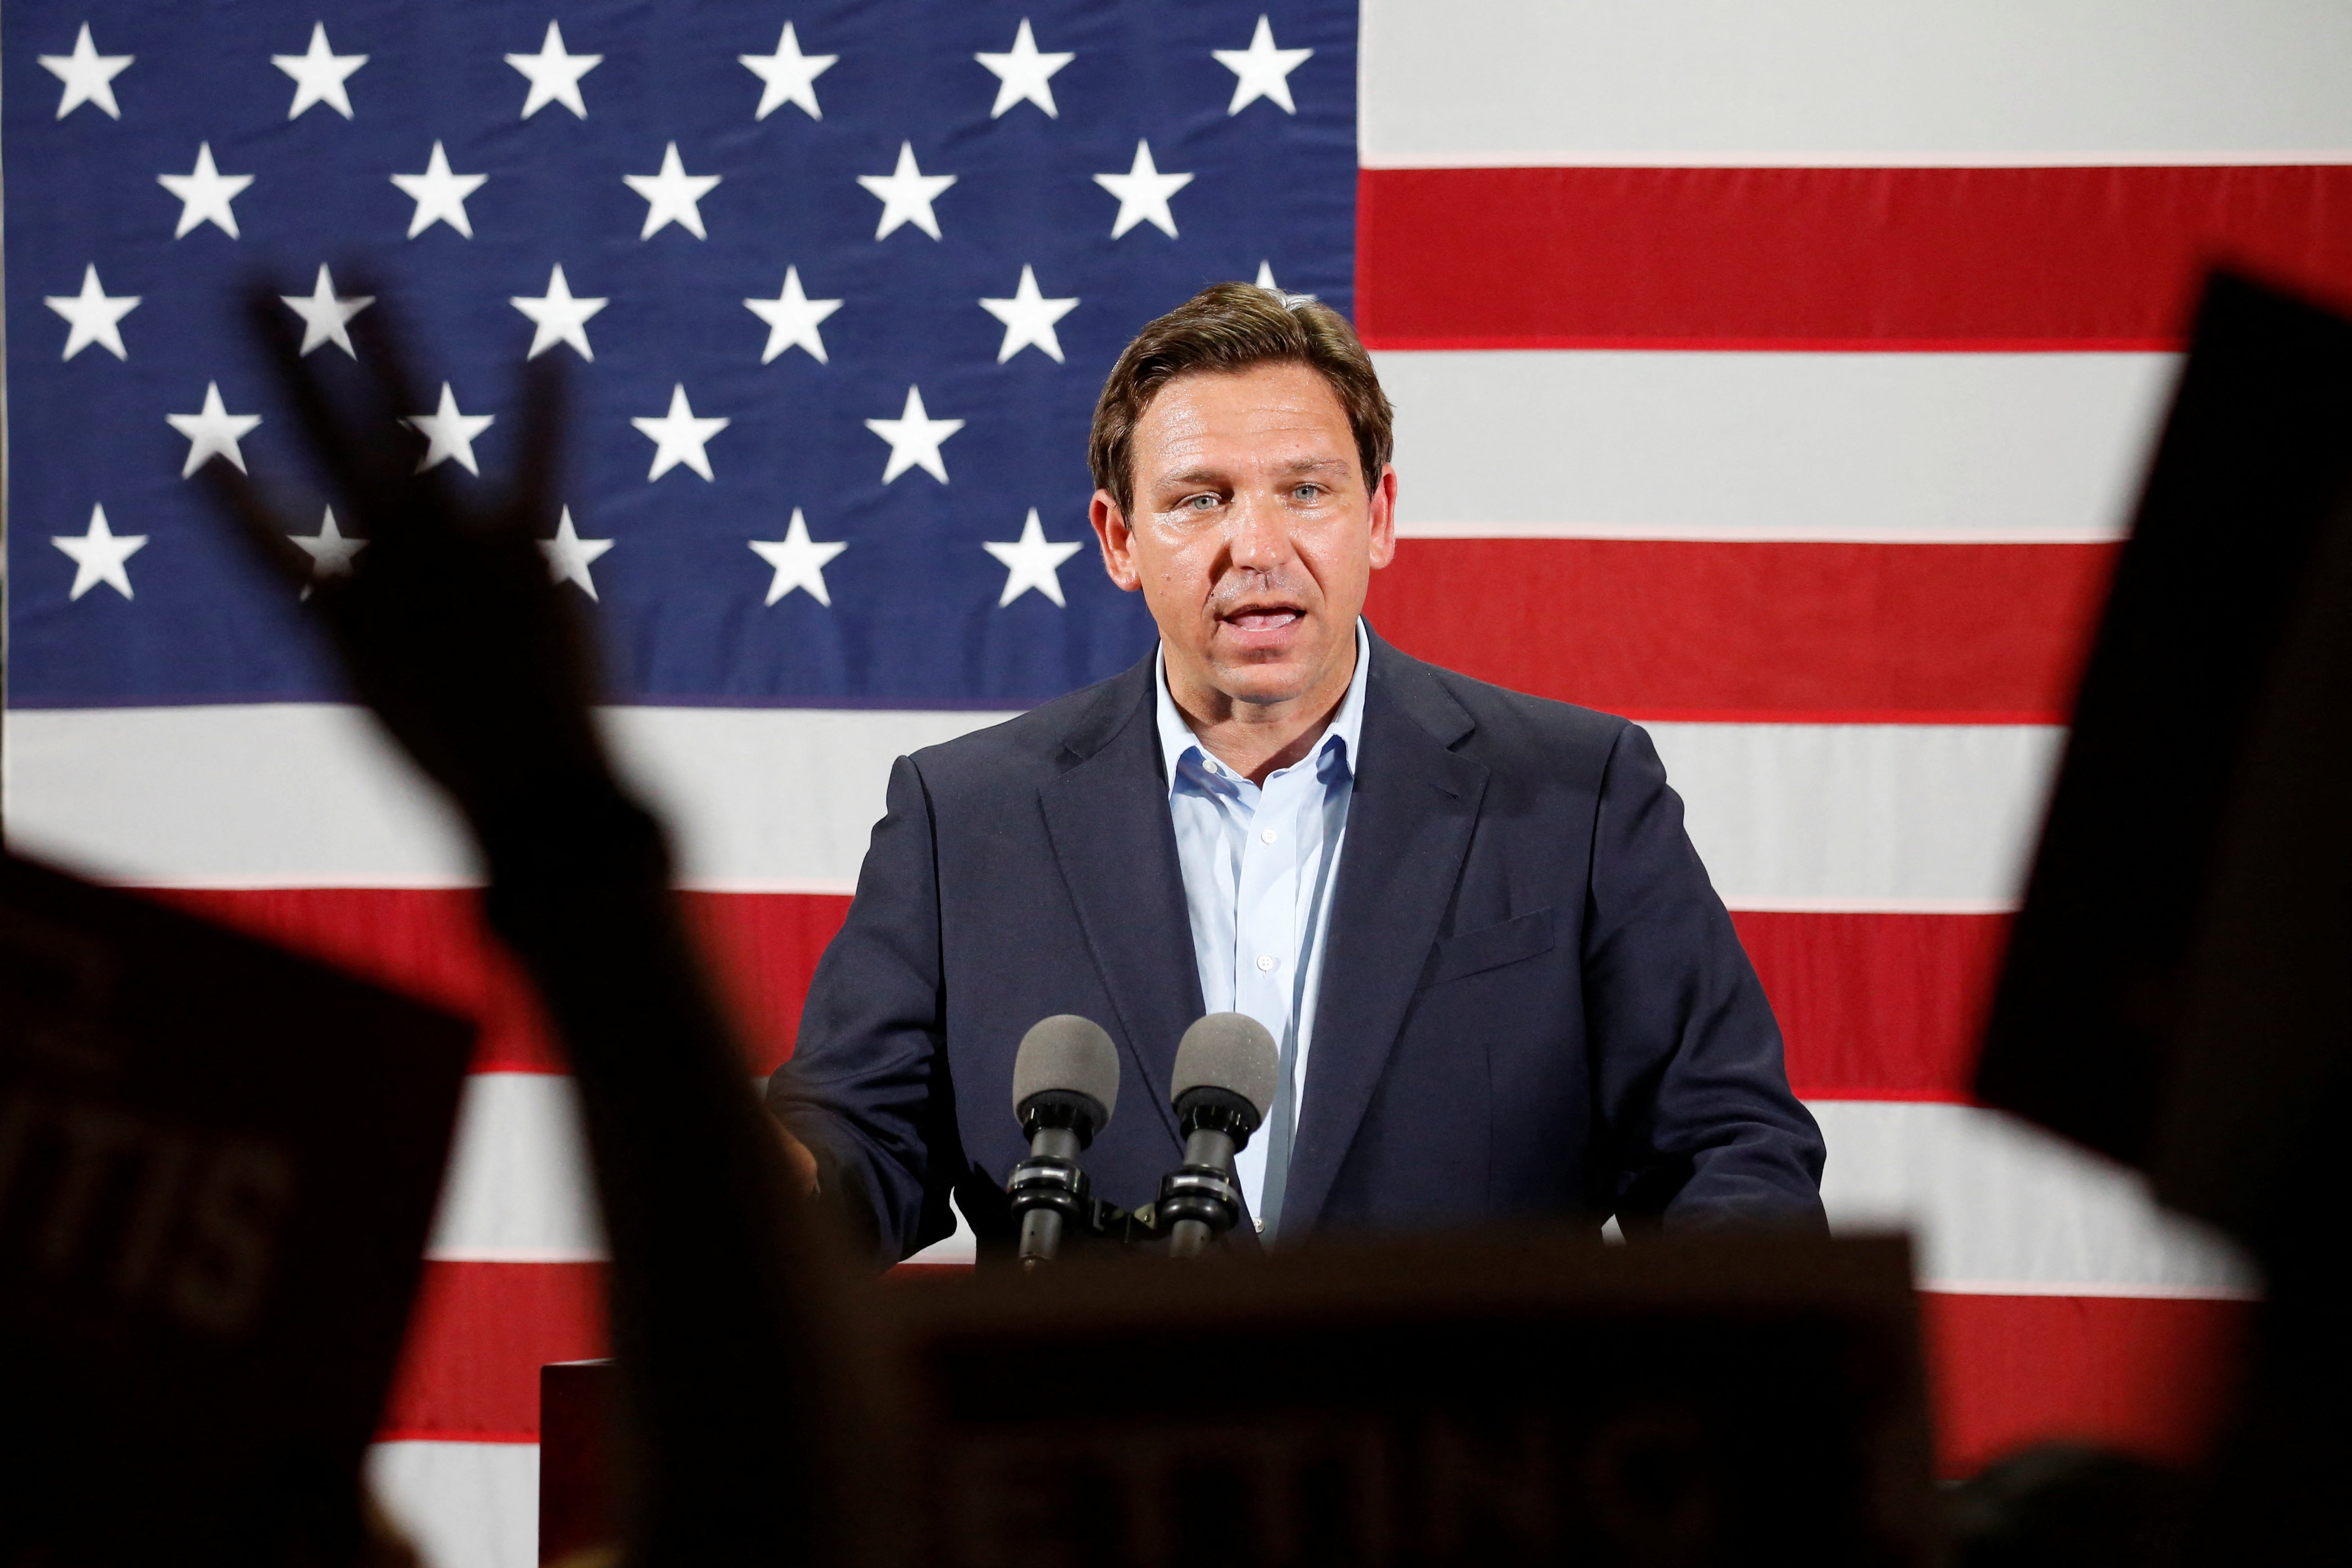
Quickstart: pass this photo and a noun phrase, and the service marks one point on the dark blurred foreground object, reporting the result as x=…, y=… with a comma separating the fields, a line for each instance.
x=745, y=1424
x=2178, y=989
x=217, y=1166
x=2059, y=1505
x=1521, y=1398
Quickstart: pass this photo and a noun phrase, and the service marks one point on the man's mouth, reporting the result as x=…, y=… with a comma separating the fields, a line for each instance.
x=1264, y=618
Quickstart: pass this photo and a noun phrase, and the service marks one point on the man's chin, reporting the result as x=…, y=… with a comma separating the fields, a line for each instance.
x=1266, y=680
x=1265, y=668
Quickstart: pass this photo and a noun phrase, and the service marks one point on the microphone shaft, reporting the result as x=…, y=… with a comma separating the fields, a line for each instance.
x=1207, y=1146
x=1189, y=1238
x=1041, y=1236
x=1040, y=1228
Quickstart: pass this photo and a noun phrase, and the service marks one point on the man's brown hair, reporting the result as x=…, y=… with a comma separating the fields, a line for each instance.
x=1231, y=327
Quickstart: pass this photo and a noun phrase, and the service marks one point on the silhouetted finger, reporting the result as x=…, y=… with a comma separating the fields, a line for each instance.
x=336, y=438
x=257, y=523
x=540, y=432
x=398, y=397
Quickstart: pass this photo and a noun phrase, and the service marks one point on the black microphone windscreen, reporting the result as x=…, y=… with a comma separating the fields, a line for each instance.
x=1069, y=1054
x=1229, y=1051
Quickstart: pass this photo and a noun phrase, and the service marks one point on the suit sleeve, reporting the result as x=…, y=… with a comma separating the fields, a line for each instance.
x=866, y=1087
x=1692, y=1090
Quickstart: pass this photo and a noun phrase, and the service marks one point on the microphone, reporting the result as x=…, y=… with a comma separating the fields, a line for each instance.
x=1064, y=1085
x=1226, y=1068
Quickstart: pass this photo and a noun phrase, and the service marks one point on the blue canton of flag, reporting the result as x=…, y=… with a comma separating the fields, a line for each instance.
x=837, y=287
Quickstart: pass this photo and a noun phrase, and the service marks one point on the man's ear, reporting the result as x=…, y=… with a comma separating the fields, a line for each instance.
x=1384, y=516
x=1118, y=540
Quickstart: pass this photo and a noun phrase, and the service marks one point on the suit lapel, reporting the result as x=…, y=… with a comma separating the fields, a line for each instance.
x=1107, y=817
x=1409, y=825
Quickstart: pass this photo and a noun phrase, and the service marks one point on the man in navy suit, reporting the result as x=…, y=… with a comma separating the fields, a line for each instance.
x=1502, y=984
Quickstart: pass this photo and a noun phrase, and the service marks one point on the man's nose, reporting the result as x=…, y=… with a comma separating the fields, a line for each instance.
x=1257, y=534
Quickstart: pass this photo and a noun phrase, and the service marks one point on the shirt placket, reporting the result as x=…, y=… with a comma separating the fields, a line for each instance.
x=1265, y=905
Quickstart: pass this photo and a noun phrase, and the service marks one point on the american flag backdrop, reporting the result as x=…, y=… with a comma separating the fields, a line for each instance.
x=1778, y=376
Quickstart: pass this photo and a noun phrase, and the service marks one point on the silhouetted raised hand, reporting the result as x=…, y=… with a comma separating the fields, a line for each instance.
x=448, y=625
x=725, y=1298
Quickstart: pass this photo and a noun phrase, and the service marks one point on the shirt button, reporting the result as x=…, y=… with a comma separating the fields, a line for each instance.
x=1261, y=1226
x=1264, y=962
x=1268, y=835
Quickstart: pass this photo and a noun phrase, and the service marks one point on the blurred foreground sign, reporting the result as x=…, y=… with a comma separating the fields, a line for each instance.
x=217, y=1166
x=1523, y=1399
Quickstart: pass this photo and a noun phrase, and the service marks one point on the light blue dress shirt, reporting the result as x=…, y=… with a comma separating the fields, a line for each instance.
x=1259, y=864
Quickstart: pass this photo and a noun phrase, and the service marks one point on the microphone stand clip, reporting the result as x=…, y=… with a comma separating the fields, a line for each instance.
x=1199, y=1200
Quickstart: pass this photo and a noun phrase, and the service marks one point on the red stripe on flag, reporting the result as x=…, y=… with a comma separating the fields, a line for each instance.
x=476, y=1338
x=1873, y=1006
x=1877, y=1006
x=2150, y=1377
x=1821, y=632
x=431, y=942
x=764, y=948
x=1828, y=258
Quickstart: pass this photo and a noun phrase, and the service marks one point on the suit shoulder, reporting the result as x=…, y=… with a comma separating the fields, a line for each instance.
x=1512, y=719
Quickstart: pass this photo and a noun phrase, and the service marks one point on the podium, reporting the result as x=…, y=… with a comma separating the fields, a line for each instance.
x=1489, y=1400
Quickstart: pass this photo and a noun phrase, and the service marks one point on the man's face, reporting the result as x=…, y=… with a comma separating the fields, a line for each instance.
x=1253, y=533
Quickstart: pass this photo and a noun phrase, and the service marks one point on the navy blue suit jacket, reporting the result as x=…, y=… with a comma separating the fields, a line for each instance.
x=1533, y=1003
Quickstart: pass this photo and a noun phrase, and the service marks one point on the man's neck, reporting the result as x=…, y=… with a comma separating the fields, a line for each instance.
x=1256, y=739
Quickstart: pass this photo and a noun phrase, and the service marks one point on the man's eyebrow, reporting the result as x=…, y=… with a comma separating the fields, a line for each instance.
x=1188, y=478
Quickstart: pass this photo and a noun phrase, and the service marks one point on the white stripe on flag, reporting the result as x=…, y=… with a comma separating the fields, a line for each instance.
x=1902, y=447
x=465, y=1505
x=2000, y=1208
x=1997, y=1206
x=774, y=799
x=237, y=795
x=1853, y=83
x=311, y=795
x=518, y=1189
x=1802, y=817
x=1920, y=818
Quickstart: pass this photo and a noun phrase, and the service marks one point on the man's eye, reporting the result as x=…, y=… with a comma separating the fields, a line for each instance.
x=1306, y=492
x=1199, y=503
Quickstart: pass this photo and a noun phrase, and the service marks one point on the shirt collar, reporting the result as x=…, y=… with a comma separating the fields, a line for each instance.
x=1177, y=740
